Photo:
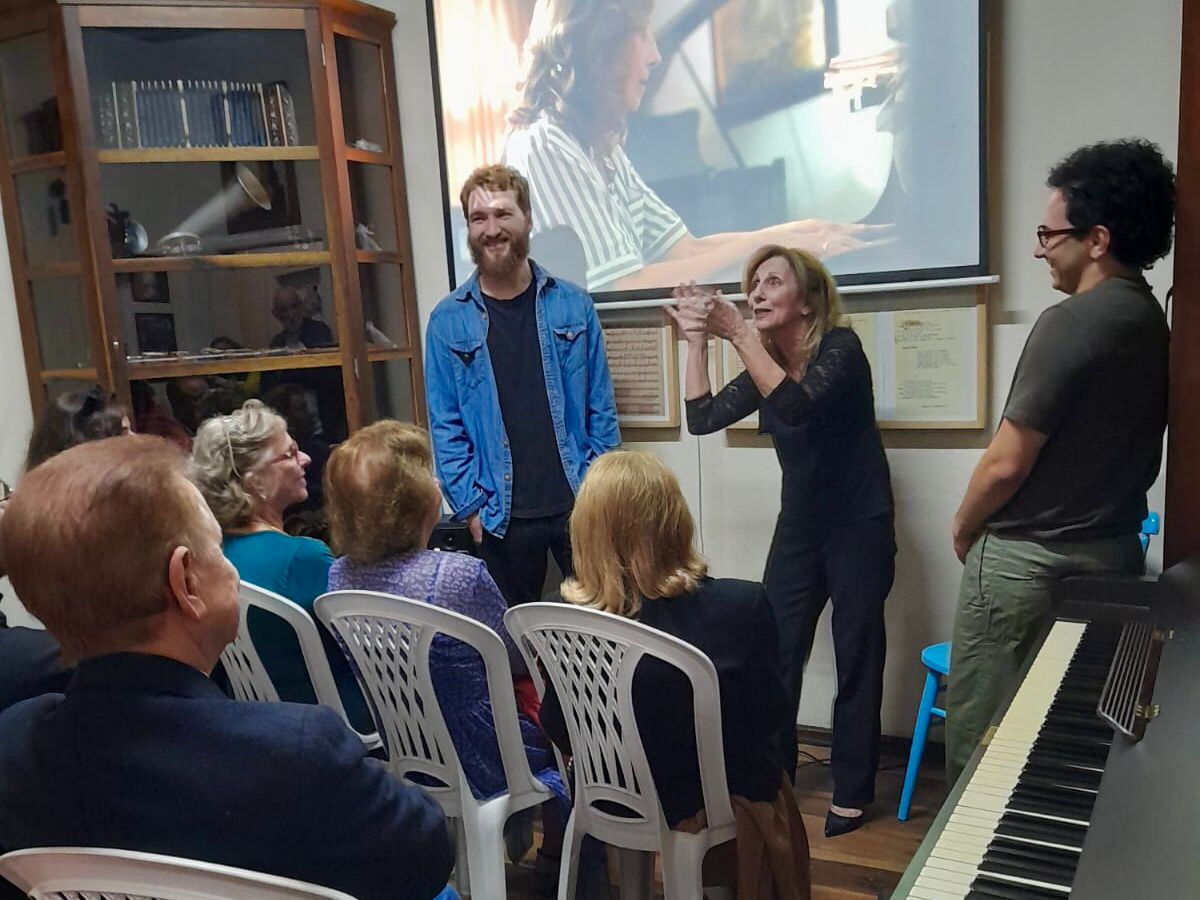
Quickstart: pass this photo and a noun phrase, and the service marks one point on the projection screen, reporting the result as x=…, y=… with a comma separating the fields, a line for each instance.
x=665, y=142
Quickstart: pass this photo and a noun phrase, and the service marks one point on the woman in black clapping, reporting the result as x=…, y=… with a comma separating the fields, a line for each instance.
x=809, y=380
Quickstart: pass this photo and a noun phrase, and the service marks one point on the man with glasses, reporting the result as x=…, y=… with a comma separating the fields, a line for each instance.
x=1061, y=489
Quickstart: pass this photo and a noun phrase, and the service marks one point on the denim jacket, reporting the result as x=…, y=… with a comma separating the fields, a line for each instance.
x=469, y=439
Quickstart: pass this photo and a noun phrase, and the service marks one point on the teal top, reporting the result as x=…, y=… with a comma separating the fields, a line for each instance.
x=296, y=568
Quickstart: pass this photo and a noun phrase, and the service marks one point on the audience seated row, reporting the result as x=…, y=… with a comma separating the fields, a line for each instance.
x=287, y=789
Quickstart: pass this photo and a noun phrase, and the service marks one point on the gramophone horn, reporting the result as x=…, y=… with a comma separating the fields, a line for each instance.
x=244, y=192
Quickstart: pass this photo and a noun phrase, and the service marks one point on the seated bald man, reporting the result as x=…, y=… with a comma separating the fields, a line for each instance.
x=114, y=549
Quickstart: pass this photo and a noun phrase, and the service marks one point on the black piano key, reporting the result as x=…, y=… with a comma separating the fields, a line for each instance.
x=1005, y=890
x=1059, y=779
x=1065, y=801
x=1051, y=856
x=1015, y=825
x=1020, y=868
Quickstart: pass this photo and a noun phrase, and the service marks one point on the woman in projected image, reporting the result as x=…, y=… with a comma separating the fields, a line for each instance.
x=808, y=378
x=585, y=68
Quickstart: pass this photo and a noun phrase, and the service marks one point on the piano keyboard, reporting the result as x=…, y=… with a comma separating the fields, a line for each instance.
x=1017, y=830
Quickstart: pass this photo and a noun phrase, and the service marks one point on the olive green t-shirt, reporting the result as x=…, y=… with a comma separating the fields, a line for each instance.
x=1093, y=379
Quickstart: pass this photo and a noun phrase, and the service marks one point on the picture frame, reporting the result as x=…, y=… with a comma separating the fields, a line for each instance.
x=155, y=332
x=643, y=361
x=149, y=287
x=728, y=367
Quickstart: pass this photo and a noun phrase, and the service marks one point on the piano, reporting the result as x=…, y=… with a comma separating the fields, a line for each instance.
x=1087, y=785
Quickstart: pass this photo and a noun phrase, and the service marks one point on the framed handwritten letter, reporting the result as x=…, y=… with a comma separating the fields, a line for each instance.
x=644, y=363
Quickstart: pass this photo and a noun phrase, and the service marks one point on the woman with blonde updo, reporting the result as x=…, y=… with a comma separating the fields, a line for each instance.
x=250, y=471
x=631, y=536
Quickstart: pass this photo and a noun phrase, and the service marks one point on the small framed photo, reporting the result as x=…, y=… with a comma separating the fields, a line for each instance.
x=644, y=363
x=155, y=332
x=150, y=287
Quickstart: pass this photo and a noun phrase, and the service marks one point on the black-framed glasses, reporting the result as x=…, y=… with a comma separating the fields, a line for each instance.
x=1044, y=234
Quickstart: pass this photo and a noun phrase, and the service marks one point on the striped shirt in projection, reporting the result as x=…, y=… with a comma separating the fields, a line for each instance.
x=621, y=222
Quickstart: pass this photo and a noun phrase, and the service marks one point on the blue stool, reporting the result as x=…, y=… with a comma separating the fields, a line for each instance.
x=1149, y=526
x=936, y=658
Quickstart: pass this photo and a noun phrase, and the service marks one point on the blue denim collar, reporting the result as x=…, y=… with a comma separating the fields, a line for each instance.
x=469, y=289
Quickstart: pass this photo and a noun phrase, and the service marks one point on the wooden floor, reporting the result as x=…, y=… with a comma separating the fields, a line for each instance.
x=863, y=865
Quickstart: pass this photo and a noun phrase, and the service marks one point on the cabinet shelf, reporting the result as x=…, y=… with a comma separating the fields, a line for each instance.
x=354, y=154
x=231, y=261
x=207, y=154
x=145, y=369
x=69, y=374
x=38, y=162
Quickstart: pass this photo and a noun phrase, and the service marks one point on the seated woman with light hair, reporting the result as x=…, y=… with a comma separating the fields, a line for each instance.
x=631, y=537
x=383, y=502
x=250, y=471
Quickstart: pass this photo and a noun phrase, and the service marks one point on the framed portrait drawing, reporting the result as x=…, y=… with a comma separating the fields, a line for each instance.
x=644, y=363
x=149, y=287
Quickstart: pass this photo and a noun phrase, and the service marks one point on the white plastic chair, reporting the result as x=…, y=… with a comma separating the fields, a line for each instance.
x=66, y=873
x=390, y=639
x=247, y=674
x=590, y=657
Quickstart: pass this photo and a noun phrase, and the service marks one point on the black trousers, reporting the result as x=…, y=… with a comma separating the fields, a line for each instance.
x=853, y=565
x=518, y=561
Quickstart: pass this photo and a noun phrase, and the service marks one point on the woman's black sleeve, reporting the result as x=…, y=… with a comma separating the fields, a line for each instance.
x=830, y=376
x=735, y=401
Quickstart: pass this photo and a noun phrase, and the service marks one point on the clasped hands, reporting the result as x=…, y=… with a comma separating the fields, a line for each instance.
x=701, y=311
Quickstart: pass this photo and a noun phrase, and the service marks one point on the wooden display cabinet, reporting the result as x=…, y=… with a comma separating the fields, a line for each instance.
x=174, y=175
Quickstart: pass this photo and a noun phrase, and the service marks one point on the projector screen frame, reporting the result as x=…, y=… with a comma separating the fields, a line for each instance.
x=886, y=277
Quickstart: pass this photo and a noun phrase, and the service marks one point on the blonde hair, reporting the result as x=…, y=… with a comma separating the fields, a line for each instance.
x=631, y=536
x=380, y=491
x=227, y=449
x=495, y=178
x=818, y=287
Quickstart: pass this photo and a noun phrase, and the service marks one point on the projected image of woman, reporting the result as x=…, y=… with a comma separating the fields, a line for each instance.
x=809, y=380
x=585, y=68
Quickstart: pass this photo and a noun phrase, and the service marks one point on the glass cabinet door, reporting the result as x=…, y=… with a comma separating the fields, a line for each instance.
x=383, y=289
x=52, y=297
x=206, y=139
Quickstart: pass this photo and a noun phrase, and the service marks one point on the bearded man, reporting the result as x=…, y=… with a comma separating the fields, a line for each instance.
x=520, y=397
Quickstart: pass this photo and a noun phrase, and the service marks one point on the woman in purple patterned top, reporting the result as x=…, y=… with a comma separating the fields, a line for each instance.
x=383, y=502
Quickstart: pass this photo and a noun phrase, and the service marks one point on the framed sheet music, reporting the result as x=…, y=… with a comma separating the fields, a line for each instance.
x=644, y=363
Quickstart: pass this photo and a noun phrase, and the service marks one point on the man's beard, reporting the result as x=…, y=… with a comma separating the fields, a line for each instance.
x=506, y=265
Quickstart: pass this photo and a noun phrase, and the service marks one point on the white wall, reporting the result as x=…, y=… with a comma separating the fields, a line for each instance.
x=1063, y=74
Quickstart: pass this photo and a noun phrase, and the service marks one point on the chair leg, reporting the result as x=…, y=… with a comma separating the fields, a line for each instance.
x=920, y=732
x=682, y=862
x=462, y=867
x=484, y=825
x=568, y=873
x=637, y=871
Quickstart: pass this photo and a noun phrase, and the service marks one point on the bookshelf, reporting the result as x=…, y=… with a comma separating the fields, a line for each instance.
x=209, y=194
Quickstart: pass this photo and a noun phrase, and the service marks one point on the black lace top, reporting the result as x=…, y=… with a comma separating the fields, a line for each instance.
x=823, y=428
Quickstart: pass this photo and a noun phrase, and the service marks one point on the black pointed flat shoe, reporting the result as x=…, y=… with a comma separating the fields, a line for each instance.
x=836, y=826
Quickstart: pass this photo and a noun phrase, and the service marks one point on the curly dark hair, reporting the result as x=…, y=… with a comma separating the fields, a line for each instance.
x=1126, y=186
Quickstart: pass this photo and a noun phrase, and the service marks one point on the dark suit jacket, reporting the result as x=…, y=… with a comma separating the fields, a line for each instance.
x=30, y=665
x=145, y=753
x=730, y=621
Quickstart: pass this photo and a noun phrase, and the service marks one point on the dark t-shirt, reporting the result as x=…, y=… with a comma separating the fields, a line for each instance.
x=1093, y=379
x=824, y=431
x=540, y=487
